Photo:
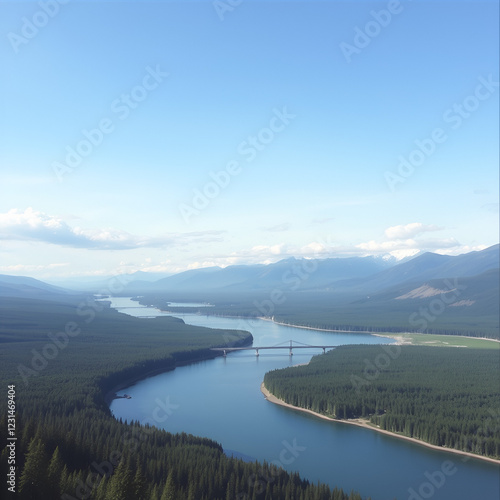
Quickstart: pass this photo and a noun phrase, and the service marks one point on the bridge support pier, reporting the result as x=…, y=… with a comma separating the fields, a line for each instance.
x=291, y=353
x=225, y=353
x=256, y=352
x=324, y=350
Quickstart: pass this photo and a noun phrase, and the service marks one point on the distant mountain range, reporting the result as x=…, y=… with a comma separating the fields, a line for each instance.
x=355, y=291
x=355, y=274
x=312, y=274
x=429, y=266
x=94, y=283
x=471, y=295
x=24, y=287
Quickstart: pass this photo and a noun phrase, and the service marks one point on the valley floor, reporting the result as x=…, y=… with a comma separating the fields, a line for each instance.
x=412, y=338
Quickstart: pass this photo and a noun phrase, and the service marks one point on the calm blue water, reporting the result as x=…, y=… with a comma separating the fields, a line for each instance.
x=221, y=399
x=189, y=304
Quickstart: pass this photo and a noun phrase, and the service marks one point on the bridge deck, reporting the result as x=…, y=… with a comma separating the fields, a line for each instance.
x=272, y=347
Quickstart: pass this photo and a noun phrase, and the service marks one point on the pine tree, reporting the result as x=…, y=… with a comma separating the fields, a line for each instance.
x=169, y=490
x=3, y=458
x=154, y=493
x=32, y=483
x=27, y=433
x=54, y=473
x=192, y=492
x=139, y=482
x=102, y=489
x=63, y=480
x=120, y=484
x=229, y=494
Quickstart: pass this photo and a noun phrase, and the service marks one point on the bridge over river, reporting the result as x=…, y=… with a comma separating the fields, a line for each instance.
x=289, y=344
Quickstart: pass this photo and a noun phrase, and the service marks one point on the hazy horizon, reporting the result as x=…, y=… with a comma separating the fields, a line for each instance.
x=165, y=136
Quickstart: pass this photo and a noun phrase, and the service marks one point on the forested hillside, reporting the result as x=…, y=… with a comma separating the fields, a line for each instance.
x=431, y=293
x=444, y=396
x=335, y=311
x=62, y=358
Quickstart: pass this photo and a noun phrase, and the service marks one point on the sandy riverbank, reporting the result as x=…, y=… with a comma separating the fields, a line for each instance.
x=365, y=424
x=398, y=337
x=402, y=340
x=318, y=329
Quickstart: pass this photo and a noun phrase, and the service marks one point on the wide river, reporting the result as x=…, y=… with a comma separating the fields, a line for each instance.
x=221, y=399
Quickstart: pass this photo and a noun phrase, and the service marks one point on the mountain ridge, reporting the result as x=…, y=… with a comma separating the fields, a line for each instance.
x=354, y=274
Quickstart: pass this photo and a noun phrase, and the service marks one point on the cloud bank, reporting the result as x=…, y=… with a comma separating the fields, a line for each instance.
x=30, y=225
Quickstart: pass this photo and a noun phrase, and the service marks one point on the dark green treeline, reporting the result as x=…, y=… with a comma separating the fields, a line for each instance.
x=444, y=396
x=63, y=358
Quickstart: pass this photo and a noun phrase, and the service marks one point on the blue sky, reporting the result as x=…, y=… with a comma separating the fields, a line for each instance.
x=162, y=136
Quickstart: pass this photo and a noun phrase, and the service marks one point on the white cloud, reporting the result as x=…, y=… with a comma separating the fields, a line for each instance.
x=266, y=254
x=373, y=246
x=407, y=247
x=29, y=268
x=176, y=252
x=409, y=230
x=313, y=249
x=203, y=264
x=460, y=249
x=402, y=254
x=31, y=225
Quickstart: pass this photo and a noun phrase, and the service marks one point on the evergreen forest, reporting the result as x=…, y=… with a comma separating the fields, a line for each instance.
x=445, y=396
x=62, y=359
